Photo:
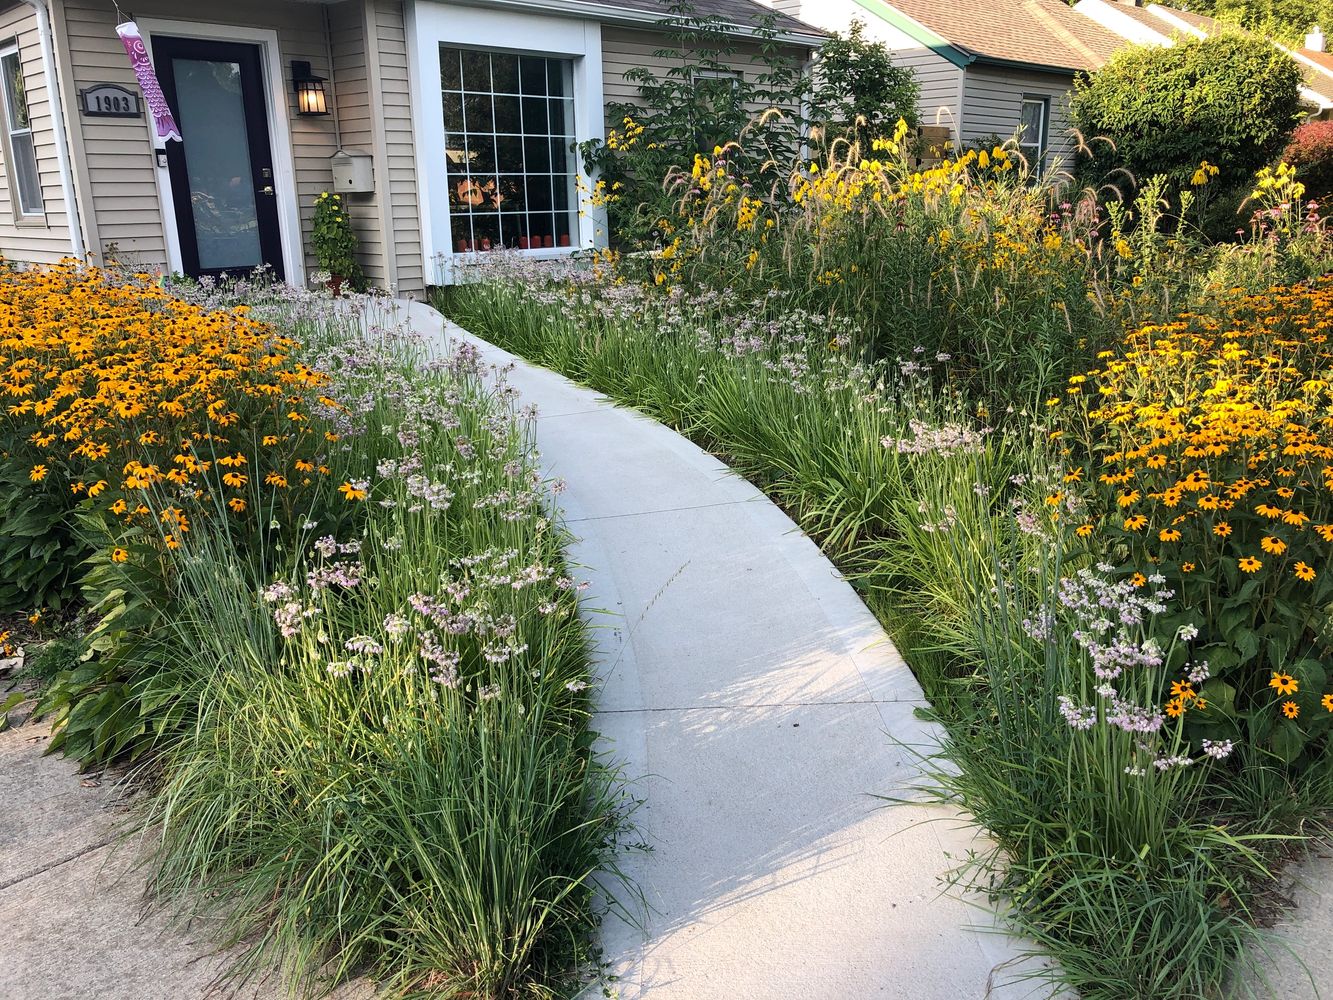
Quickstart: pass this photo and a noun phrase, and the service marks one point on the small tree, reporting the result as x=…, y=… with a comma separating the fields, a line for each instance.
x=760, y=117
x=1231, y=100
x=858, y=93
x=694, y=106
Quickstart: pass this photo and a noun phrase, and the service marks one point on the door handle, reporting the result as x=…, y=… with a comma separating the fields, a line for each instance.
x=266, y=189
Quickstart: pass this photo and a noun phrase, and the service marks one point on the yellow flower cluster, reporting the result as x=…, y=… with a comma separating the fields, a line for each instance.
x=1215, y=434
x=112, y=387
x=1212, y=446
x=859, y=184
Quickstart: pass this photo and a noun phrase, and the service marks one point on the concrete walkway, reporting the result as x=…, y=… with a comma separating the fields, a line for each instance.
x=764, y=707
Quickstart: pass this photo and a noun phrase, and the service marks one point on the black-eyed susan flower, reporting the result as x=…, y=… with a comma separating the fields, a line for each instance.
x=1304, y=572
x=1249, y=564
x=1284, y=683
x=1290, y=709
x=1272, y=545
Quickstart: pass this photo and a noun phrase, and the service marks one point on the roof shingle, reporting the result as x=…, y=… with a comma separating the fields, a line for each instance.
x=1040, y=33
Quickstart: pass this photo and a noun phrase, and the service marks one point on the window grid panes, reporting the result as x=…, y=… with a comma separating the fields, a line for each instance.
x=509, y=137
x=24, y=177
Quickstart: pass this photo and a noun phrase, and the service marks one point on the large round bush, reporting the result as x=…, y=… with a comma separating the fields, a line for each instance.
x=1232, y=100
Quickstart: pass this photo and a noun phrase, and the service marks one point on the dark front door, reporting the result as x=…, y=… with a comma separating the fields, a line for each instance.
x=222, y=173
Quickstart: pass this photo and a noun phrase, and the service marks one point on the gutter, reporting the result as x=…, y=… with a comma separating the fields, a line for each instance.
x=56, y=104
x=594, y=11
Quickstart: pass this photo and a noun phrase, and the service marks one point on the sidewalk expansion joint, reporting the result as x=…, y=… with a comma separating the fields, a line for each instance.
x=82, y=852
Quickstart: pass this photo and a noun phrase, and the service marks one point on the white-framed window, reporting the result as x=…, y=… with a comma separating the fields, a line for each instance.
x=571, y=45
x=25, y=181
x=1032, y=129
x=509, y=149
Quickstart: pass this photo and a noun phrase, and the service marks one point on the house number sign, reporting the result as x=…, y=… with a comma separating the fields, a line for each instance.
x=109, y=100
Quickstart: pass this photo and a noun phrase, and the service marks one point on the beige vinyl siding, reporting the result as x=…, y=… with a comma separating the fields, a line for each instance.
x=992, y=103
x=118, y=168
x=43, y=239
x=356, y=126
x=940, y=82
x=369, y=43
x=395, y=102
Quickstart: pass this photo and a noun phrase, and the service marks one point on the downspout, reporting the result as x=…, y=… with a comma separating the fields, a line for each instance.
x=53, y=100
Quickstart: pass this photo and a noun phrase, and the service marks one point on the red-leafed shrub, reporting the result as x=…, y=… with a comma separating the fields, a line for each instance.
x=1311, y=153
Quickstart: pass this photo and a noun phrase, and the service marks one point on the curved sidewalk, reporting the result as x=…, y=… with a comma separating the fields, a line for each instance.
x=765, y=709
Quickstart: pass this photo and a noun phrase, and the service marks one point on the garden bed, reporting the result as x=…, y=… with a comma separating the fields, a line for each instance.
x=1027, y=435
x=328, y=615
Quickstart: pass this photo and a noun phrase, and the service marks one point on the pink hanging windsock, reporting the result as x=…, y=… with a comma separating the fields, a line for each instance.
x=163, y=121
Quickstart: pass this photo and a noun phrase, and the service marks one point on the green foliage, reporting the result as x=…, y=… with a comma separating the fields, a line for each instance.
x=334, y=241
x=96, y=707
x=8, y=703
x=701, y=101
x=39, y=554
x=858, y=93
x=51, y=658
x=1286, y=20
x=1231, y=100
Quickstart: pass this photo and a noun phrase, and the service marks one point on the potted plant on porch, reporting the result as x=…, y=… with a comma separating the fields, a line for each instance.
x=334, y=243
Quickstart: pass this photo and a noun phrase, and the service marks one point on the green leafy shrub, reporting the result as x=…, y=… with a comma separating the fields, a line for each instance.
x=1231, y=100
x=702, y=103
x=858, y=93
x=39, y=550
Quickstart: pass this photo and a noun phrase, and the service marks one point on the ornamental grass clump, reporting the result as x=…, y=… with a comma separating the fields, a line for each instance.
x=380, y=760
x=1210, y=447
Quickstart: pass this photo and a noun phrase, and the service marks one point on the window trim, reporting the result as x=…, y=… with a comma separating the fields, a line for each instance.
x=1036, y=163
x=21, y=214
x=431, y=25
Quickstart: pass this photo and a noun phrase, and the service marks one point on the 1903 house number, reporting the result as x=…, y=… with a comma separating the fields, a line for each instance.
x=109, y=100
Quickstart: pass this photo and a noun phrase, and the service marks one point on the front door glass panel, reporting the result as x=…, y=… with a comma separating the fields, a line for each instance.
x=217, y=163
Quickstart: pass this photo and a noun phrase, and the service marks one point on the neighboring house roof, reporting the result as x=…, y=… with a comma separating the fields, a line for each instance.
x=1208, y=25
x=1036, y=34
x=1323, y=59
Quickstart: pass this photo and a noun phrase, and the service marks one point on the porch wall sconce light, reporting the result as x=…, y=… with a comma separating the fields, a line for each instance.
x=310, y=98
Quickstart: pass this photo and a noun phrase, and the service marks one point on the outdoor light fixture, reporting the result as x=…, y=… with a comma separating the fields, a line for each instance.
x=310, y=99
